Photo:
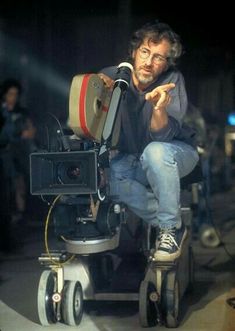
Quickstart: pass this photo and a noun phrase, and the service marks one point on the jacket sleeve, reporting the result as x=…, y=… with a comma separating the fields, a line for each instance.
x=176, y=111
x=109, y=71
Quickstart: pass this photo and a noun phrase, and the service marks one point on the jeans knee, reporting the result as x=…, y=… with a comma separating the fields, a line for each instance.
x=158, y=153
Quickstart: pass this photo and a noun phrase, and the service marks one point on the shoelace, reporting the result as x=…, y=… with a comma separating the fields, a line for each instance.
x=167, y=239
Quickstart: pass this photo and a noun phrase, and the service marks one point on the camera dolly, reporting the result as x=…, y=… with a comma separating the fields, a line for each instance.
x=95, y=270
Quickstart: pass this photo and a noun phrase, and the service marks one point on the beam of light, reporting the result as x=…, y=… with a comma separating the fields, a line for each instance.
x=15, y=54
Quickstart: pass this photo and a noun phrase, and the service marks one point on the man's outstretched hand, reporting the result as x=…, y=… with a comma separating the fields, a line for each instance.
x=159, y=96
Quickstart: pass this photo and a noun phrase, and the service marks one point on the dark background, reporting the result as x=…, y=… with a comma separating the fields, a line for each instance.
x=45, y=43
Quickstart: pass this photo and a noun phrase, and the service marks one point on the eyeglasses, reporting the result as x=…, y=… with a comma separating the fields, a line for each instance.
x=156, y=58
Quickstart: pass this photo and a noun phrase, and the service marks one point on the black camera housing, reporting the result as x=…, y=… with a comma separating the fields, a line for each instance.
x=72, y=172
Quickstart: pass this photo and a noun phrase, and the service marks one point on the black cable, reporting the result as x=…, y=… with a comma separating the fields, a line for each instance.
x=57, y=120
x=65, y=143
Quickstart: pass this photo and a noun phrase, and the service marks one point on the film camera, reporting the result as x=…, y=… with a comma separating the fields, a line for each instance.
x=73, y=172
x=79, y=170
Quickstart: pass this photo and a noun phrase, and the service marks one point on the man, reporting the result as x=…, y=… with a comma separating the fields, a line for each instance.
x=17, y=141
x=155, y=148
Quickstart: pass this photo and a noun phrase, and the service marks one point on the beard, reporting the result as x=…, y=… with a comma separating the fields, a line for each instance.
x=143, y=79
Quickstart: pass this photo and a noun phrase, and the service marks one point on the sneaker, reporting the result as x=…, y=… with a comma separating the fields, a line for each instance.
x=170, y=244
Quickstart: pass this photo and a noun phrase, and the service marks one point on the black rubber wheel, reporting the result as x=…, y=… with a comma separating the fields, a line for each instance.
x=46, y=306
x=171, y=297
x=72, y=303
x=147, y=309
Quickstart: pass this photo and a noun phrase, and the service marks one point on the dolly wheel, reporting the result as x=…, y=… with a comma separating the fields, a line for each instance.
x=72, y=303
x=208, y=236
x=171, y=298
x=147, y=309
x=46, y=306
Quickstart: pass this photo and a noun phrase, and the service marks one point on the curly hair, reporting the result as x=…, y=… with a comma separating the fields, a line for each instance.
x=155, y=32
x=7, y=84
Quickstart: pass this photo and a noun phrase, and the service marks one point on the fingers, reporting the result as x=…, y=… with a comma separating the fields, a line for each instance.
x=167, y=87
x=159, y=91
x=107, y=80
x=163, y=101
x=159, y=96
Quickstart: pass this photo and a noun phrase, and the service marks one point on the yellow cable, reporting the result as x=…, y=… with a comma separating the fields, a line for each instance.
x=46, y=235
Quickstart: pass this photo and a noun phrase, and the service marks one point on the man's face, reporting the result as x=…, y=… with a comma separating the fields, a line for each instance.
x=12, y=96
x=150, y=60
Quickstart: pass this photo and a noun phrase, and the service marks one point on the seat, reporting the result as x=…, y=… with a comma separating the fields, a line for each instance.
x=195, y=176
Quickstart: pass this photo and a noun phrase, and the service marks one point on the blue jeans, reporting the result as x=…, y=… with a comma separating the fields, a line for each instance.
x=150, y=184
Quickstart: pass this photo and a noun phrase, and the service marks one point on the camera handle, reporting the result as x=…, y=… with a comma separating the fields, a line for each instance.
x=108, y=127
x=121, y=84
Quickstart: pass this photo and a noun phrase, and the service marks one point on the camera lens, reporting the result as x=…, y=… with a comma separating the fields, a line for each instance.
x=74, y=172
x=71, y=173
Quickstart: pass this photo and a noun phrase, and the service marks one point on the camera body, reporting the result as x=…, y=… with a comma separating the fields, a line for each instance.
x=73, y=172
x=85, y=208
x=73, y=167
x=76, y=176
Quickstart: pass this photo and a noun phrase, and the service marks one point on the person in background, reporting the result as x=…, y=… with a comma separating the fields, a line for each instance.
x=155, y=149
x=17, y=138
x=5, y=216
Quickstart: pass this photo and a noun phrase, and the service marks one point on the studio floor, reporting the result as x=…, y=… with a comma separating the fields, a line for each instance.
x=205, y=308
